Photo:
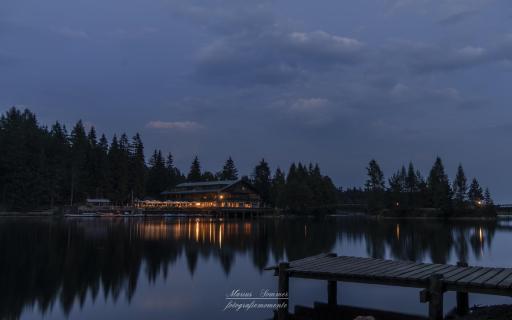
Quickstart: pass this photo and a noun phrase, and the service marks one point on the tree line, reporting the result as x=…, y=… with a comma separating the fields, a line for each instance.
x=43, y=167
x=408, y=189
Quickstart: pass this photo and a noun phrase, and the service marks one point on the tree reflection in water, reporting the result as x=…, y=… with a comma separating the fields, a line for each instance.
x=49, y=262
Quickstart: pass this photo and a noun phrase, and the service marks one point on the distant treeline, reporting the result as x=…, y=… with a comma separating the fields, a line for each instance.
x=43, y=167
x=407, y=190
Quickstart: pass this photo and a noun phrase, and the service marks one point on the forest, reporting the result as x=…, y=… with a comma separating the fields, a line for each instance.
x=407, y=191
x=49, y=167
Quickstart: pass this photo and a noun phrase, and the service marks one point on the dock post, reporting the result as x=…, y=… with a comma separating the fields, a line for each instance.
x=436, y=291
x=332, y=293
x=462, y=297
x=283, y=290
x=332, y=289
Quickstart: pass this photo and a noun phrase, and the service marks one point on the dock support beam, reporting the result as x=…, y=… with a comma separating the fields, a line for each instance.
x=283, y=290
x=332, y=289
x=462, y=297
x=332, y=293
x=436, y=291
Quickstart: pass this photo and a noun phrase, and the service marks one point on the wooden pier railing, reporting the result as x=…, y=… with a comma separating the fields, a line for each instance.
x=433, y=279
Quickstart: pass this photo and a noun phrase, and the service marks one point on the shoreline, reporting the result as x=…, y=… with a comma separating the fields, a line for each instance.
x=280, y=216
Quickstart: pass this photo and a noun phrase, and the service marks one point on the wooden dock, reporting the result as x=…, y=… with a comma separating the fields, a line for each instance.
x=433, y=279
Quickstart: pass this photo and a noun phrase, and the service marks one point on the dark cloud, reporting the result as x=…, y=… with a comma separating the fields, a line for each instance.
x=274, y=57
x=337, y=84
x=458, y=17
x=255, y=48
x=425, y=58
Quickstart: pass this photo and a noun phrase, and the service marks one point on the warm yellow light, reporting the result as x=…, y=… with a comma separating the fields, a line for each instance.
x=198, y=204
x=221, y=197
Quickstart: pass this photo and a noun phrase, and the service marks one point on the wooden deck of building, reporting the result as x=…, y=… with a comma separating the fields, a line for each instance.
x=434, y=279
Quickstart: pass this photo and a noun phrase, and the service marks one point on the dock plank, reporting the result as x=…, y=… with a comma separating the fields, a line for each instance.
x=426, y=267
x=356, y=265
x=400, y=270
x=506, y=283
x=482, y=279
x=307, y=259
x=443, y=272
x=348, y=268
x=464, y=273
x=428, y=273
x=304, y=262
x=317, y=264
x=475, y=275
x=493, y=282
x=384, y=268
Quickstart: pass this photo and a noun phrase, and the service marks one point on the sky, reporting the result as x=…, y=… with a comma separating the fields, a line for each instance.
x=332, y=82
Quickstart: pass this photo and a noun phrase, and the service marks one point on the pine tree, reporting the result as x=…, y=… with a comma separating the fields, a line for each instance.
x=323, y=189
x=475, y=194
x=229, y=171
x=411, y=182
x=194, y=175
x=375, y=186
x=489, y=208
x=397, y=186
x=298, y=194
x=278, y=189
x=375, y=181
x=262, y=180
x=103, y=186
x=397, y=182
x=487, y=198
x=58, y=159
x=438, y=187
x=24, y=166
x=79, y=174
x=157, y=180
x=173, y=173
x=91, y=164
x=119, y=166
x=137, y=167
x=208, y=176
x=412, y=187
x=91, y=137
x=460, y=187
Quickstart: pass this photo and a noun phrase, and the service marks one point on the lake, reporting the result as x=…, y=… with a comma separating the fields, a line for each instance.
x=183, y=268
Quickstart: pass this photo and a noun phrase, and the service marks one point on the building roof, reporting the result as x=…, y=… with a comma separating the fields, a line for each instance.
x=206, y=183
x=201, y=187
x=98, y=200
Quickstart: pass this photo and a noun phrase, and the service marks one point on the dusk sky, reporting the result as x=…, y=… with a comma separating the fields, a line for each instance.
x=333, y=82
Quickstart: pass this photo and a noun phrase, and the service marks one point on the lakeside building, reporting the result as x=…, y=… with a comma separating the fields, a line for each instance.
x=235, y=194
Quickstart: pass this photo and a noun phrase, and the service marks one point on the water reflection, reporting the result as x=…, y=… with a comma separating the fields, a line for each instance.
x=45, y=263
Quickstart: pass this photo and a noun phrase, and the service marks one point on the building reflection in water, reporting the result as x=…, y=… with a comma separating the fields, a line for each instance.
x=204, y=231
x=61, y=260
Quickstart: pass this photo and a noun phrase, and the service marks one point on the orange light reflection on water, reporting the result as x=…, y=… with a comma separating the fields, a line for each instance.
x=201, y=231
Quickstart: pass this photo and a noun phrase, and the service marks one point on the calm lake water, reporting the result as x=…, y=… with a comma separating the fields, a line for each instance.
x=183, y=268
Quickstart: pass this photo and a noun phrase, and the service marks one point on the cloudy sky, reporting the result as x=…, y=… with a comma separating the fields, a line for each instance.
x=333, y=82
